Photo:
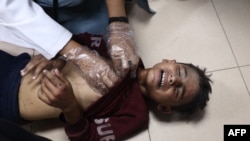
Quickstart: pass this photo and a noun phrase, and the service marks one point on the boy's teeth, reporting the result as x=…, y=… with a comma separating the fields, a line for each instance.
x=162, y=79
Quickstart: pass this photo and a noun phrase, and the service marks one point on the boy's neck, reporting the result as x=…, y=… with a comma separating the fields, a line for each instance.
x=141, y=75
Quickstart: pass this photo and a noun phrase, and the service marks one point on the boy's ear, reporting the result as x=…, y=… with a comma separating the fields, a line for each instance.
x=164, y=109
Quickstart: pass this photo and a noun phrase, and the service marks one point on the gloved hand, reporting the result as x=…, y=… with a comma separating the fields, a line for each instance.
x=122, y=48
x=94, y=69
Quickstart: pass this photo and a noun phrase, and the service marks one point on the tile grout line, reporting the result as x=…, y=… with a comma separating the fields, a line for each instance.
x=228, y=68
x=223, y=69
x=229, y=43
x=149, y=135
x=224, y=31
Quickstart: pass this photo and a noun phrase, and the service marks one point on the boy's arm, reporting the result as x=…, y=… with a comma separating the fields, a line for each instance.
x=26, y=20
x=96, y=70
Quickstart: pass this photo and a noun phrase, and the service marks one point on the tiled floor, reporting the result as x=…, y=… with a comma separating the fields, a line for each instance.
x=210, y=33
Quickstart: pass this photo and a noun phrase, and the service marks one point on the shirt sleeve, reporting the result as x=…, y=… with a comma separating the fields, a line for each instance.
x=131, y=117
x=27, y=21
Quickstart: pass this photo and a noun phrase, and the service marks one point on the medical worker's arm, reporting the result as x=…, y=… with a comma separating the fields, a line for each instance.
x=120, y=38
x=27, y=21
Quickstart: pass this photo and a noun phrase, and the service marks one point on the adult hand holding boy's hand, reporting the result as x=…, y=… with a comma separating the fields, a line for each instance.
x=56, y=91
x=38, y=63
x=122, y=47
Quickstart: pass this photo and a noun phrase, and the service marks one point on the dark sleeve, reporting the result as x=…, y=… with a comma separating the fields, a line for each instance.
x=131, y=117
x=12, y=132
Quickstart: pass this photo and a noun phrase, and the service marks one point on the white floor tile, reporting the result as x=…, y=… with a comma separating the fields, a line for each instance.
x=234, y=15
x=245, y=71
x=188, y=31
x=142, y=136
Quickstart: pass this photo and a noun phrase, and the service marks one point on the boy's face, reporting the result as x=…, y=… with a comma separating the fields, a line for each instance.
x=170, y=84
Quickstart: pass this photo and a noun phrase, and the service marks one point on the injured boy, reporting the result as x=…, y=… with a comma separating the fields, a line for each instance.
x=91, y=115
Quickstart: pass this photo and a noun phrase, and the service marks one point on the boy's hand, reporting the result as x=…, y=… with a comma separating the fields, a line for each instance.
x=56, y=91
x=39, y=63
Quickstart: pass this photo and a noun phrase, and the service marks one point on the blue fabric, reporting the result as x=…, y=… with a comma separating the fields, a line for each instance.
x=80, y=16
x=9, y=85
x=61, y=3
x=144, y=5
x=13, y=132
x=91, y=16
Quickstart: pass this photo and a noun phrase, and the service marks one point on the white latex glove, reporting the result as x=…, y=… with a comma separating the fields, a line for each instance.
x=94, y=69
x=122, y=48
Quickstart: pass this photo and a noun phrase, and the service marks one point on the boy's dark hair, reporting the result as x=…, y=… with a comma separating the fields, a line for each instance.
x=202, y=96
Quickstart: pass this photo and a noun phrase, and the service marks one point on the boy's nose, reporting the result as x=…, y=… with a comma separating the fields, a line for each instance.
x=173, y=80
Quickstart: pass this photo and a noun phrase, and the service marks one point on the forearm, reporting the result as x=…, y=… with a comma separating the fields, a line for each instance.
x=72, y=116
x=116, y=8
x=27, y=21
x=69, y=46
x=95, y=69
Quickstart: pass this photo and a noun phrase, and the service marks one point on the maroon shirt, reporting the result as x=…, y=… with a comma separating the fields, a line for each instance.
x=118, y=114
